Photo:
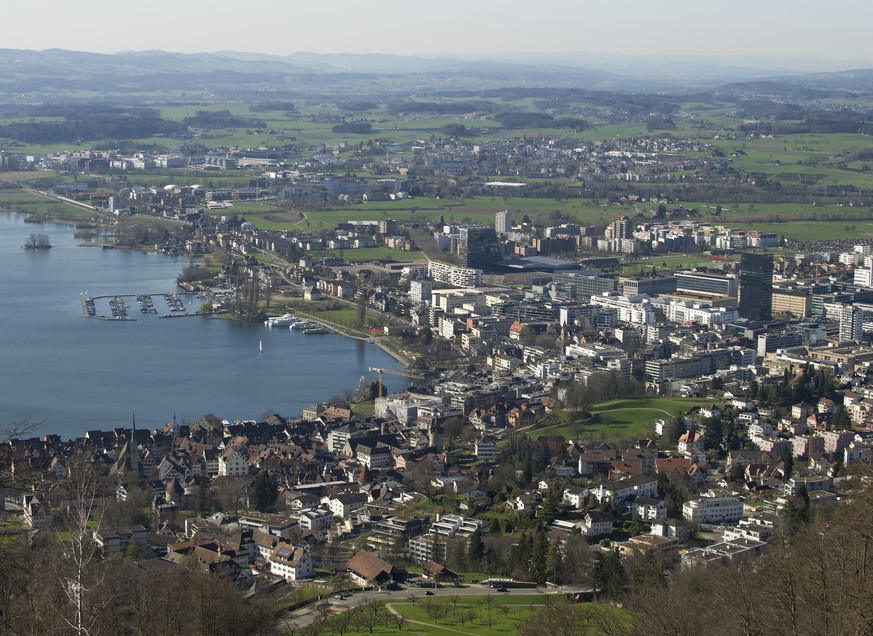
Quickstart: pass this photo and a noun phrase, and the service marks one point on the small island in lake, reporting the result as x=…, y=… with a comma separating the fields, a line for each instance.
x=37, y=242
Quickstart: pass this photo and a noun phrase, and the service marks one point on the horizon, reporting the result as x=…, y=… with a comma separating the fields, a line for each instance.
x=788, y=33
x=620, y=63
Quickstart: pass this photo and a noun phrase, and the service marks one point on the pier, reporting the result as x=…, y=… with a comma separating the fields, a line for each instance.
x=160, y=305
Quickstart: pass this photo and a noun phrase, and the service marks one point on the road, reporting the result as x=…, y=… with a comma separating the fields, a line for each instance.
x=310, y=613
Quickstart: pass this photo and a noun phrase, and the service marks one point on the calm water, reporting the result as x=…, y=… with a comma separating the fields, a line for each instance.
x=74, y=374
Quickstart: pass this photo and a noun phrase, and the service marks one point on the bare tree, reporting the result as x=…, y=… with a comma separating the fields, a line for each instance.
x=79, y=548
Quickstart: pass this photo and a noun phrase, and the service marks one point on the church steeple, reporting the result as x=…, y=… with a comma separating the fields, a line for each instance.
x=133, y=450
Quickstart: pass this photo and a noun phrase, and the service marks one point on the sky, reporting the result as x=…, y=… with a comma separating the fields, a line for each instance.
x=697, y=29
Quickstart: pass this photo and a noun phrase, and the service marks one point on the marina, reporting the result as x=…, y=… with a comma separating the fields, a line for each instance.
x=114, y=307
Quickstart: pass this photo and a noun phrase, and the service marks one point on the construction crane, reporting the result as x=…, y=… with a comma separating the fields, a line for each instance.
x=403, y=374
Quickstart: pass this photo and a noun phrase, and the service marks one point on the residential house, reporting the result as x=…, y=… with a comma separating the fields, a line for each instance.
x=346, y=503
x=291, y=563
x=648, y=508
x=597, y=524
x=575, y=497
x=691, y=444
x=314, y=518
x=486, y=448
x=368, y=570
x=621, y=490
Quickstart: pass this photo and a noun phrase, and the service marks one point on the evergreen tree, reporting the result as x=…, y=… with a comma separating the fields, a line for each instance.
x=539, y=552
x=549, y=510
x=555, y=562
x=796, y=514
x=133, y=552
x=608, y=574
x=475, y=550
x=265, y=492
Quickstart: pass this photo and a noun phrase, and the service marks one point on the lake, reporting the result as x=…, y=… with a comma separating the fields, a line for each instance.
x=72, y=374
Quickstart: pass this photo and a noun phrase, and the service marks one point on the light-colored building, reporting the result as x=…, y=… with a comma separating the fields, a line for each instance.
x=420, y=291
x=291, y=563
x=713, y=510
x=503, y=222
x=486, y=448
x=233, y=462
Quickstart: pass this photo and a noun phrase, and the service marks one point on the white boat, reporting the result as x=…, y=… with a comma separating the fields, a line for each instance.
x=281, y=321
x=304, y=324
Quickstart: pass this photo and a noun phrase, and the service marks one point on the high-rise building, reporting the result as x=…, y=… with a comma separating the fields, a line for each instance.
x=851, y=323
x=756, y=286
x=621, y=228
x=503, y=222
x=478, y=247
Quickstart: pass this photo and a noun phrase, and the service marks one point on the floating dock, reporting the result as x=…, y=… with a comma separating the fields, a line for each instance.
x=116, y=307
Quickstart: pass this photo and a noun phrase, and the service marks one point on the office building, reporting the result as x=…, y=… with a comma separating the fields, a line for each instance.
x=583, y=285
x=478, y=247
x=648, y=286
x=770, y=342
x=706, y=283
x=791, y=302
x=756, y=286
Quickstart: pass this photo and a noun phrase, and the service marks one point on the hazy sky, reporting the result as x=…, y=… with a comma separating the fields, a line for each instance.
x=836, y=29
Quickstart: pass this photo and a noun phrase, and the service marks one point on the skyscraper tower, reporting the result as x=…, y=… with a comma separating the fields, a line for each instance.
x=756, y=286
x=478, y=247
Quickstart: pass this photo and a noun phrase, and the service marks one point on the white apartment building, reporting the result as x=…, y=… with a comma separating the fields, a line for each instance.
x=455, y=275
x=713, y=510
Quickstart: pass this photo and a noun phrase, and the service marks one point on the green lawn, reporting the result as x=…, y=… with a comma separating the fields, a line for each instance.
x=629, y=417
x=497, y=613
x=372, y=254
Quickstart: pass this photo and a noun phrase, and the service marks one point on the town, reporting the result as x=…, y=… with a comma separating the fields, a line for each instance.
x=606, y=386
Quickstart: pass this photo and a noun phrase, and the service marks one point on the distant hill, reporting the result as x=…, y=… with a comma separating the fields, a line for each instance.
x=57, y=74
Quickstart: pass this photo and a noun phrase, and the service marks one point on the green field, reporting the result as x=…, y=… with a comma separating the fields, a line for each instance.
x=372, y=254
x=629, y=417
x=29, y=203
x=497, y=613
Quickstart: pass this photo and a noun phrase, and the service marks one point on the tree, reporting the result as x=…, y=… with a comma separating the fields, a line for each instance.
x=537, y=567
x=608, y=574
x=37, y=242
x=79, y=548
x=265, y=492
x=475, y=550
x=796, y=513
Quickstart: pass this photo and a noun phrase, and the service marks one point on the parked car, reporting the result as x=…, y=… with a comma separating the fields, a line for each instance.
x=339, y=597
